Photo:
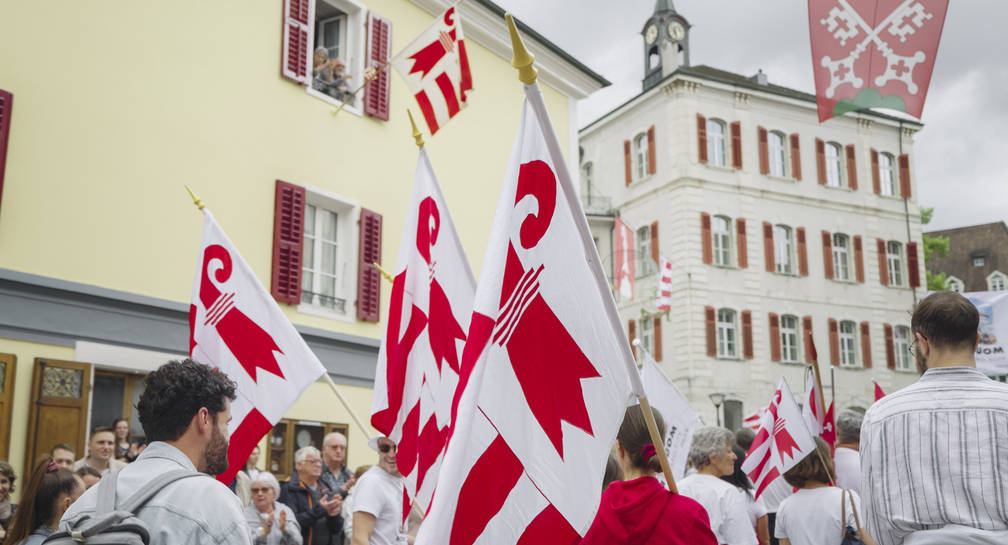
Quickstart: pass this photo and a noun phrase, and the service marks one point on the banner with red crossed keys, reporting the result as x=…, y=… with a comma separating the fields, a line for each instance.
x=873, y=53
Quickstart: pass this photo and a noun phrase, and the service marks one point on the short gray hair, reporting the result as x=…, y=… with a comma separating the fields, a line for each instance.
x=334, y=435
x=303, y=453
x=265, y=477
x=848, y=425
x=709, y=441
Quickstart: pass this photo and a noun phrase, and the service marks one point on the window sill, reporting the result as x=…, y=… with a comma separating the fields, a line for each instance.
x=726, y=267
x=848, y=281
x=728, y=358
x=725, y=168
x=839, y=188
x=792, y=363
x=321, y=312
x=785, y=179
x=356, y=110
x=851, y=367
x=787, y=274
x=641, y=180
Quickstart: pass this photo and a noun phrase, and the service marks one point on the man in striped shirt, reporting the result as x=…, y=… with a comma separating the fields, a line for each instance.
x=934, y=455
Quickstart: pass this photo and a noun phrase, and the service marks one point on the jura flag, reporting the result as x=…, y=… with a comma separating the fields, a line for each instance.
x=680, y=418
x=813, y=412
x=547, y=361
x=873, y=53
x=623, y=263
x=418, y=362
x=435, y=67
x=781, y=441
x=235, y=325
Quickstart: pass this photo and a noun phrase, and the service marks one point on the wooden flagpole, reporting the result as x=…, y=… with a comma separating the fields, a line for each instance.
x=822, y=401
x=368, y=78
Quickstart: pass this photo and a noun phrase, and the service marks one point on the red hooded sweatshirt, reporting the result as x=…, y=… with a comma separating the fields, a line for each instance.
x=643, y=512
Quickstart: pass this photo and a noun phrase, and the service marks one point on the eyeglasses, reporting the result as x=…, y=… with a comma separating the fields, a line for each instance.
x=263, y=490
x=384, y=448
x=316, y=461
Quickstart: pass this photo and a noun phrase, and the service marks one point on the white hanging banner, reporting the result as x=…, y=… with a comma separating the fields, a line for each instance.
x=992, y=350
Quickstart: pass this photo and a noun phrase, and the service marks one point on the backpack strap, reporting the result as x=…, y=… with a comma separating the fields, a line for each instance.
x=105, y=503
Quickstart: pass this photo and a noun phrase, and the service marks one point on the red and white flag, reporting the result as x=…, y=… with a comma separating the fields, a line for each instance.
x=665, y=285
x=547, y=362
x=435, y=67
x=237, y=326
x=753, y=420
x=813, y=412
x=418, y=362
x=879, y=394
x=781, y=441
x=829, y=429
x=623, y=262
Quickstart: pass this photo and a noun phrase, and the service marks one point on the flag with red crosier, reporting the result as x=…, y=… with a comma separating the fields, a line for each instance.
x=873, y=53
x=879, y=394
x=828, y=433
x=665, y=285
x=547, y=365
x=418, y=361
x=237, y=326
x=623, y=261
x=435, y=67
x=782, y=440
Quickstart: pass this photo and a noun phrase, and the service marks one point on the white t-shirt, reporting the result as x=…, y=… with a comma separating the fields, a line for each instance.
x=848, y=469
x=775, y=493
x=812, y=516
x=380, y=494
x=729, y=515
x=757, y=508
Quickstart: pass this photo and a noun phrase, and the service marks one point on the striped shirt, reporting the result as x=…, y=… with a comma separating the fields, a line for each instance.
x=936, y=453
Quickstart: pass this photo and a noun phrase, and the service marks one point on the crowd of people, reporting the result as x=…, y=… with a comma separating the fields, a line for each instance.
x=923, y=466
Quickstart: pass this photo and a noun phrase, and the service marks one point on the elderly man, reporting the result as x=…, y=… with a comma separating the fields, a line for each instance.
x=378, y=500
x=316, y=507
x=101, y=448
x=335, y=475
x=63, y=455
x=934, y=455
x=846, y=457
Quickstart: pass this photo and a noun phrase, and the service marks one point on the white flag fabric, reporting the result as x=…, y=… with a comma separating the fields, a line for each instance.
x=680, y=418
x=665, y=285
x=813, y=413
x=623, y=262
x=781, y=441
x=418, y=362
x=435, y=67
x=237, y=326
x=549, y=366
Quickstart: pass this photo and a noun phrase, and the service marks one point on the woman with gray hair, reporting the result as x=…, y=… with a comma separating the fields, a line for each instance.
x=712, y=457
x=271, y=522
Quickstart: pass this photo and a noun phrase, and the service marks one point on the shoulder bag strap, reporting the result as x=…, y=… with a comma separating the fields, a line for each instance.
x=857, y=521
x=105, y=503
x=149, y=490
x=843, y=511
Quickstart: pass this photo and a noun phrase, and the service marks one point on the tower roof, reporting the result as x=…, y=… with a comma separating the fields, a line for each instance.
x=663, y=5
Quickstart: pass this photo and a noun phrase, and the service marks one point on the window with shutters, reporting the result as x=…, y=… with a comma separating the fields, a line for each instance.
x=996, y=281
x=338, y=51
x=778, y=154
x=329, y=272
x=789, y=338
x=783, y=249
x=640, y=156
x=727, y=336
x=722, y=240
x=954, y=284
x=901, y=347
x=841, y=257
x=645, y=265
x=894, y=259
x=645, y=329
x=848, y=343
x=834, y=164
x=887, y=174
x=716, y=154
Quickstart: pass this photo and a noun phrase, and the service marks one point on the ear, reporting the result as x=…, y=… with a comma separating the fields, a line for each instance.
x=204, y=421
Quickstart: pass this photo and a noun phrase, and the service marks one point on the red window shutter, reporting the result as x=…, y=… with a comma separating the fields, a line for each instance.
x=743, y=243
x=296, y=31
x=883, y=267
x=820, y=155
x=631, y=330
x=764, y=152
x=705, y=237
x=913, y=271
x=768, y=249
x=851, y=166
x=858, y=259
x=834, y=342
x=890, y=350
x=379, y=43
x=709, y=320
x=747, y=344
x=369, y=252
x=288, y=237
x=627, y=162
x=6, y=103
x=657, y=339
x=827, y=254
x=651, y=151
x=654, y=243
x=904, y=175
x=736, y=144
x=875, y=180
x=807, y=335
x=795, y=157
x=701, y=131
x=775, y=345
x=866, y=345
x=802, y=252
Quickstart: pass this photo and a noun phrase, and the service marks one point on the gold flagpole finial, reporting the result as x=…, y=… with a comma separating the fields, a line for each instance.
x=521, y=59
x=384, y=273
x=199, y=204
x=417, y=135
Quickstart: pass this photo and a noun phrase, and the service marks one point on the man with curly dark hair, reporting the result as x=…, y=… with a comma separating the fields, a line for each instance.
x=184, y=409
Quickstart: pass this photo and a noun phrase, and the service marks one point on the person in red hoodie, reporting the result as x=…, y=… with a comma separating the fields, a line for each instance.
x=640, y=510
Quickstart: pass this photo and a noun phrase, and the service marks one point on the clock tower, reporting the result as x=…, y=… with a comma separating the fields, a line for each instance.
x=666, y=43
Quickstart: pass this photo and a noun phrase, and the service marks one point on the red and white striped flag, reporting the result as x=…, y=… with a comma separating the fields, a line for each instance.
x=623, y=262
x=237, y=326
x=547, y=362
x=781, y=441
x=418, y=362
x=665, y=285
x=435, y=67
x=753, y=420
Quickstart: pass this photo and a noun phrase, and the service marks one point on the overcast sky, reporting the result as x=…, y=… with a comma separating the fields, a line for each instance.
x=965, y=118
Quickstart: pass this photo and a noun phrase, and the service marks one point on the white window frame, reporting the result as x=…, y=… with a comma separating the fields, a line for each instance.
x=954, y=284
x=894, y=260
x=980, y=260
x=646, y=328
x=997, y=281
x=848, y=341
x=789, y=339
x=841, y=257
x=722, y=241
x=778, y=152
x=716, y=151
x=645, y=265
x=586, y=178
x=834, y=155
x=783, y=241
x=901, y=347
x=887, y=176
x=347, y=213
x=727, y=333
x=640, y=156
x=356, y=50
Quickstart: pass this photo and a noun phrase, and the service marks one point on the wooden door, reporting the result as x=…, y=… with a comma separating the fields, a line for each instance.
x=59, y=407
x=8, y=363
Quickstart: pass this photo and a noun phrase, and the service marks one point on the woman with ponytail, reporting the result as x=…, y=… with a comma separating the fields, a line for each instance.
x=640, y=510
x=49, y=493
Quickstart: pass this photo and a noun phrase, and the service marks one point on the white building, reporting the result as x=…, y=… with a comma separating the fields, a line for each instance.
x=776, y=225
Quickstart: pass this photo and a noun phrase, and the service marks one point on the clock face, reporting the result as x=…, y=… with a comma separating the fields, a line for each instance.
x=651, y=34
x=676, y=30
x=303, y=439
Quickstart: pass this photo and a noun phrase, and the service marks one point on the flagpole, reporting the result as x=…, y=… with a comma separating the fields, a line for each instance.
x=367, y=79
x=822, y=403
x=346, y=405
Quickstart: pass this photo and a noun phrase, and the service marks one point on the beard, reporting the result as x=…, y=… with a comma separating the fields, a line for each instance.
x=216, y=454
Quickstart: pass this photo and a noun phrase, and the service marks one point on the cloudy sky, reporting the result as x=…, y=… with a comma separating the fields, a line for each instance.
x=966, y=117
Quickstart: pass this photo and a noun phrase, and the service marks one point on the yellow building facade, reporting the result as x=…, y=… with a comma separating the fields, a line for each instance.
x=113, y=106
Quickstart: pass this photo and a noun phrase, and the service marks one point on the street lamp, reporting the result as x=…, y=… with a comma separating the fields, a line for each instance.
x=717, y=399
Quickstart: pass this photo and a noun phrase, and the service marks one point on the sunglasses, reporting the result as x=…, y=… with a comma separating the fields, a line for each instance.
x=384, y=448
x=263, y=490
